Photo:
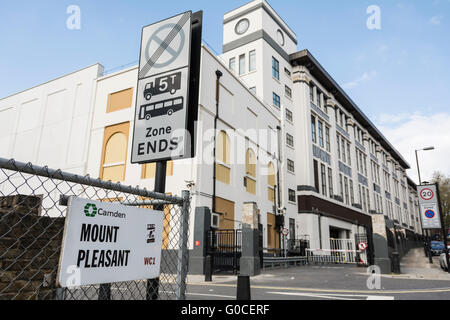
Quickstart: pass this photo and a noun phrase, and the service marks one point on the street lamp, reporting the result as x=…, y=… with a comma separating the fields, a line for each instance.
x=417, y=160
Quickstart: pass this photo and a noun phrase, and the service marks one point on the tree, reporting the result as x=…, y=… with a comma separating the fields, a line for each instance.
x=444, y=191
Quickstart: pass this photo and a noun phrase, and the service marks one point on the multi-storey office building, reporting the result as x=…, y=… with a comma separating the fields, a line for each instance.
x=337, y=168
x=289, y=138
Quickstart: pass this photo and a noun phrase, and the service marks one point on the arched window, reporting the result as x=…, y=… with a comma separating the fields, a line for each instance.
x=223, y=151
x=223, y=148
x=271, y=181
x=250, y=171
x=114, y=155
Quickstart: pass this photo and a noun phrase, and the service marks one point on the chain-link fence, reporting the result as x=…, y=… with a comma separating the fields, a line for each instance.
x=32, y=216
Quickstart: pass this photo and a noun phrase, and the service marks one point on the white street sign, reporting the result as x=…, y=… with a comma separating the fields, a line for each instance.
x=160, y=128
x=106, y=242
x=429, y=207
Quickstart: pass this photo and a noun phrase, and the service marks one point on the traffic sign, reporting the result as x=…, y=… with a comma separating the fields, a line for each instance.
x=426, y=194
x=430, y=214
x=362, y=246
x=162, y=98
x=285, y=231
x=429, y=207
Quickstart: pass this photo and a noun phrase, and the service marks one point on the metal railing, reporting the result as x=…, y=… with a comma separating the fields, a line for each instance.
x=32, y=225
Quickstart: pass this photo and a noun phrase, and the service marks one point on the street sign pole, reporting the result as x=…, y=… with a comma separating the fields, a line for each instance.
x=444, y=229
x=160, y=187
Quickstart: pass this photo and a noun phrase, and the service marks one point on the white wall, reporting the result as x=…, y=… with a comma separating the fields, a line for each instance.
x=50, y=123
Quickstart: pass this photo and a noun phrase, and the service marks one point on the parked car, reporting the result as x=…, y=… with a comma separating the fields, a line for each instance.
x=437, y=248
x=443, y=261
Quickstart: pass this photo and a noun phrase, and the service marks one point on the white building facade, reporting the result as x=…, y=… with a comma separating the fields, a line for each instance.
x=288, y=138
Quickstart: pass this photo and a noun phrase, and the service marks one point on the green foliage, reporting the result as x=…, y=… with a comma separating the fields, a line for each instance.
x=444, y=190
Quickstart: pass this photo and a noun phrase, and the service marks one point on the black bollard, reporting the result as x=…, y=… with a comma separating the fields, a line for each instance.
x=396, y=263
x=243, y=288
x=208, y=268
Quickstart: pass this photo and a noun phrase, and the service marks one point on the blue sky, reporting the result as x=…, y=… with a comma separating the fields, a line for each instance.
x=393, y=74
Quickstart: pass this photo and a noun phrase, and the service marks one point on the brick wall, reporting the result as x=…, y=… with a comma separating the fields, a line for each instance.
x=29, y=249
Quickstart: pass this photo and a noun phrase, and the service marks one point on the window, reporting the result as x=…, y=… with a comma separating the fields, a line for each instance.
x=338, y=146
x=232, y=64
x=313, y=129
x=241, y=64
x=275, y=68
x=289, y=140
x=318, y=99
x=343, y=149
x=250, y=171
x=253, y=90
x=276, y=100
x=347, y=200
x=349, y=158
x=320, y=127
x=341, y=187
x=327, y=139
x=114, y=154
x=352, y=193
x=290, y=166
x=311, y=93
x=252, y=61
x=291, y=195
x=289, y=116
x=330, y=182
x=324, y=179
x=316, y=175
x=288, y=92
x=120, y=100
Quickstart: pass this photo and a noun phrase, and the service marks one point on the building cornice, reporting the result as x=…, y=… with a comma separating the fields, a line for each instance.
x=305, y=58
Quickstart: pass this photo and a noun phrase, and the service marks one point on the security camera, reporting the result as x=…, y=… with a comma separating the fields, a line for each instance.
x=189, y=184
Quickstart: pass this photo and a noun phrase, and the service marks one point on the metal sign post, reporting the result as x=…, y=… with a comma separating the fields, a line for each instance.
x=429, y=210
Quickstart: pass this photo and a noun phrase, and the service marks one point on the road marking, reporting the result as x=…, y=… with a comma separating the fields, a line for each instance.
x=369, y=292
x=323, y=296
x=210, y=295
x=380, y=298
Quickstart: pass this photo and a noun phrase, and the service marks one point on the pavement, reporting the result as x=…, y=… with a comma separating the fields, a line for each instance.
x=418, y=281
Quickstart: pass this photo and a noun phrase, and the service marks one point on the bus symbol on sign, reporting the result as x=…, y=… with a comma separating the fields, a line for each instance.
x=427, y=194
x=157, y=109
x=170, y=83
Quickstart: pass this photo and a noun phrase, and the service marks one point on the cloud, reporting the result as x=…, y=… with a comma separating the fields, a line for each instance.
x=417, y=131
x=437, y=20
x=366, y=76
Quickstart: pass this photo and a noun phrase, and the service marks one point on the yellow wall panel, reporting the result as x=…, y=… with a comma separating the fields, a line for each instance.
x=223, y=174
x=251, y=186
x=120, y=100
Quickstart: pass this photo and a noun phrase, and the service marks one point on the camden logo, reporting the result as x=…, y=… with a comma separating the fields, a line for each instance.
x=90, y=210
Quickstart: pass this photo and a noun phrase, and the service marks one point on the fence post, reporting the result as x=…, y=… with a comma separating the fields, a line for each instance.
x=183, y=259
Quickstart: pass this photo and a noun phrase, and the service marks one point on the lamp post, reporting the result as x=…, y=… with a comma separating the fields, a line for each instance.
x=417, y=160
x=420, y=183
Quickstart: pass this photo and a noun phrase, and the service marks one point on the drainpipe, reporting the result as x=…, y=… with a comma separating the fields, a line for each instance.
x=219, y=74
x=278, y=194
